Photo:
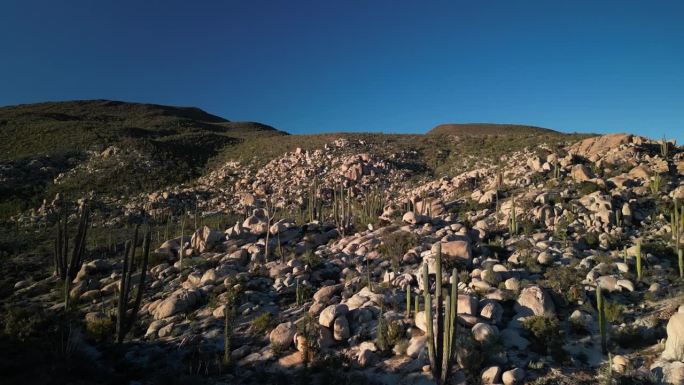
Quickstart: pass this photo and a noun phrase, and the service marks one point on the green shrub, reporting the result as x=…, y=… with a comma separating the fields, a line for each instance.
x=546, y=336
x=100, y=329
x=262, y=323
x=311, y=259
x=395, y=245
x=613, y=311
x=23, y=323
x=586, y=188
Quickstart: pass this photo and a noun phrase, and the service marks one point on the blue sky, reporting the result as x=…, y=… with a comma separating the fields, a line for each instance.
x=360, y=65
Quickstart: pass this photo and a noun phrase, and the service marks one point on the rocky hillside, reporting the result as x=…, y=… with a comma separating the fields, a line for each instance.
x=316, y=261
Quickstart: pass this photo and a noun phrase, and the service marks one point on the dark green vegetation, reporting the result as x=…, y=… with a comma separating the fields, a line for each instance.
x=480, y=129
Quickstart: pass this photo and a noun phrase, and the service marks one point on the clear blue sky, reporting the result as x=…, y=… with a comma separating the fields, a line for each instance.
x=360, y=65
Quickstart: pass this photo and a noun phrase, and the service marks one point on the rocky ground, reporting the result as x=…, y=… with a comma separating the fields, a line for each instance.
x=291, y=290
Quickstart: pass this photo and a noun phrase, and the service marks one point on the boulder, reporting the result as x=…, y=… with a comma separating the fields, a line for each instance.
x=534, y=300
x=283, y=334
x=457, y=250
x=331, y=312
x=341, y=328
x=257, y=223
x=581, y=173
x=204, y=239
x=179, y=301
x=674, y=345
x=483, y=332
x=513, y=377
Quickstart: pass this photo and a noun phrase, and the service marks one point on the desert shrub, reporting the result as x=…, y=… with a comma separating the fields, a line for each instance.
x=100, y=329
x=470, y=357
x=546, y=336
x=565, y=281
x=613, y=311
x=309, y=329
x=311, y=259
x=23, y=323
x=586, y=188
x=591, y=239
x=262, y=323
x=395, y=245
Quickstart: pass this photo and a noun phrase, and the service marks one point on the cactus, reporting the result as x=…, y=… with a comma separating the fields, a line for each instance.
x=618, y=218
x=299, y=294
x=556, y=170
x=381, y=336
x=600, y=308
x=271, y=211
x=416, y=304
x=677, y=223
x=513, y=220
x=654, y=183
x=342, y=210
x=67, y=269
x=227, y=333
x=182, y=243
x=624, y=255
x=370, y=208
x=680, y=261
x=408, y=301
x=638, y=260
x=368, y=276
x=441, y=337
x=126, y=312
x=664, y=147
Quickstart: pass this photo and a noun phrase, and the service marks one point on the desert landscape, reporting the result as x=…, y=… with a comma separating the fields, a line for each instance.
x=168, y=245
x=353, y=192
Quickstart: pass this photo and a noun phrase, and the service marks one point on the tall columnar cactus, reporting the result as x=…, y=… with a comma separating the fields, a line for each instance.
x=408, y=301
x=654, y=183
x=680, y=260
x=312, y=204
x=299, y=293
x=442, y=336
x=618, y=218
x=65, y=268
x=556, y=169
x=271, y=211
x=600, y=309
x=371, y=207
x=638, y=260
x=227, y=332
x=416, y=304
x=342, y=210
x=513, y=220
x=664, y=148
x=677, y=223
x=182, y=244
x=126, y=311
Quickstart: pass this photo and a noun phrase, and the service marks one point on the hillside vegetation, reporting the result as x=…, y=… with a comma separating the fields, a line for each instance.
x=480, y=129
x=151, y=146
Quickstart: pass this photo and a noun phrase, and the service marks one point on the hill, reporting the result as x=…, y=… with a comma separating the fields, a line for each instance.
x=107, y=147
x=480, y=129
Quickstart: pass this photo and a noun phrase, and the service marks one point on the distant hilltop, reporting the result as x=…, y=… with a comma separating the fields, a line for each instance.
x=481, y=129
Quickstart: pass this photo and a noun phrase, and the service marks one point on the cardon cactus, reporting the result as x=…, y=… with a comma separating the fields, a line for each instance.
x=441, y=337
x=65, y=268
x=127, y=312
x=513, y=220
x=638, y=260
x=600, y=309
